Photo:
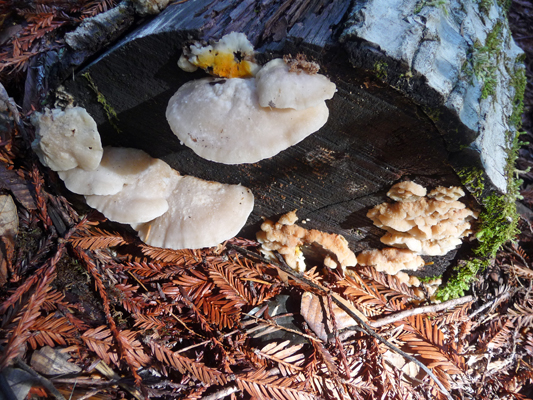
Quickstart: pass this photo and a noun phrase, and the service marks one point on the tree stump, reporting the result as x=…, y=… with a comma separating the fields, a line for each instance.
x=411, y=103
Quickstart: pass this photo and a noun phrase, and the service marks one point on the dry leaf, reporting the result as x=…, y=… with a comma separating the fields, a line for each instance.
x=410, y=369
x=313, y=308
x=8, y=230
x=8, y=216
x=19, y=187
x=49, y=361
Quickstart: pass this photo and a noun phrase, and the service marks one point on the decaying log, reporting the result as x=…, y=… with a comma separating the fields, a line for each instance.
x=408, y=103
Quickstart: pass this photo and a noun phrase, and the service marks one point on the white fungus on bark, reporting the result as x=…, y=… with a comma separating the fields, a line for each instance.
x=115, y=170
x=201, y=214
x=390, y=260
x=67, y=139
x=168, y=210
x=221, y=120
x=278, y=87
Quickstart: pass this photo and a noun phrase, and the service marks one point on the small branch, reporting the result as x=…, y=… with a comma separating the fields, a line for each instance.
x=420, y=310
x=491, y=303
x=90, y=394
x=5, y=390
x=222, y=393
x=41, y=379
x=364, y=327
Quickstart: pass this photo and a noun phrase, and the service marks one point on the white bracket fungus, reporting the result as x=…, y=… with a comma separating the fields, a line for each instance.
x=221, y=120
x=200, y=214
x=115, y=170
x=67, y=139
x=427, y=226
x=128, y=186
x=239, y=120
x=231, y=57
x=278, y=87
x=287, y=239
x=167, y=209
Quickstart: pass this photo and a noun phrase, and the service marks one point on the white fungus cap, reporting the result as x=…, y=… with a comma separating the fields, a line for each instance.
x=221, y=120
x=67, y=139
x=201, y=214
x=287, y=238
x=119, y=166
x=129, y=186
x=277, y=87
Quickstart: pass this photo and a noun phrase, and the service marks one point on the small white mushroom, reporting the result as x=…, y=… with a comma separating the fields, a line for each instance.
x=67, y=139
x=277, y=87
x=221, y=120
x=200, y=214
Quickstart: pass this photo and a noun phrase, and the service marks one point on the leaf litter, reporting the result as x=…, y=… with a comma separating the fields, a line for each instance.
x=129, y=320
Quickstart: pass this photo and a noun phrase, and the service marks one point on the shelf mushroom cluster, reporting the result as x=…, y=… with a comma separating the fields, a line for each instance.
x=431, y=225
x=246, y=114
x=128, y=186
x=287, y=238
x=417, y=224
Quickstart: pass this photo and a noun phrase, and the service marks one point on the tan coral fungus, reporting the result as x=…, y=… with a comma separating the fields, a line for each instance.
x=287, y=239
x=428, y=226
x=406, y=191
x=390, y=260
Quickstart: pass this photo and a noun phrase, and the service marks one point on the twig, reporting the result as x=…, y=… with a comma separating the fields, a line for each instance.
x=5, y=390
x=221, y=393
x=42, y=380
x=420, y=310
x=84, y=382
x=491, y=303
x=90, y=394
x=364, y=327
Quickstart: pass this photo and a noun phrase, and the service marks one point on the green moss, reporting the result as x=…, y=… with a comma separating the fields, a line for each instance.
x=484, y=5
x=497, y=225
x=109, y=110
x=463, y=275
x=380, y=67
x=426, y=279
x=518, y=81
x=472, y=179
x=505, y=4
x=485, y=60
x=442, y=4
